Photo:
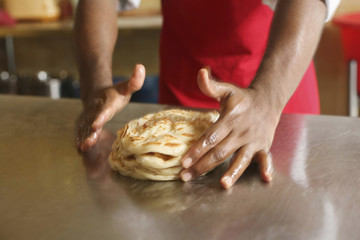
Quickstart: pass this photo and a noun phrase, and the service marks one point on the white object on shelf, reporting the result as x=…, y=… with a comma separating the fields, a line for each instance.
x=54, y=85
x=353, y=95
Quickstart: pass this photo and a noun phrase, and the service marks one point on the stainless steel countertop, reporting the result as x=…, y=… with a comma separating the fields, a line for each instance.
x=50, y=191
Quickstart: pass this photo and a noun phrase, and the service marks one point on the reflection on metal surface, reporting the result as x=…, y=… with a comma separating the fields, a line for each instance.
x=298, y=165
x=158, y=196
x=330, y=224
x=53, y=192
x=95, y=160
x=170, y=196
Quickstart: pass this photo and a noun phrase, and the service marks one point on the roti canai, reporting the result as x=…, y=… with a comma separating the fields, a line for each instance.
x=151, y=147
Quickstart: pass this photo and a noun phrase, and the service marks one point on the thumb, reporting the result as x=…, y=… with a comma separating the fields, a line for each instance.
x=136, y=81
x=212, y=88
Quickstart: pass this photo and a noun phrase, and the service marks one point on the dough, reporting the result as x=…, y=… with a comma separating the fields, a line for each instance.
x=151, y=147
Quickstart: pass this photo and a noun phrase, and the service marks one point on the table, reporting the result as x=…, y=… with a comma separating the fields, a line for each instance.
x=50, y=191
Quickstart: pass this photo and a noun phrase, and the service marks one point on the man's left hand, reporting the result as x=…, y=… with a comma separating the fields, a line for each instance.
x=245, y=129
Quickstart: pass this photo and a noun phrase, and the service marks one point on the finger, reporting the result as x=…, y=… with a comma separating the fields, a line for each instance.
x=80, y=131
x=211, y=159
x=106, y=110
x=218, y=132
x=105, y=114
x=136, y=81
x=264, y=161
x=237, y=167
x=90, y=141
x=211, y=88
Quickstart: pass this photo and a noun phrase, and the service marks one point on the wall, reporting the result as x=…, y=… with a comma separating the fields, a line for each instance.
x=331, y=67
x=54, y=53
x=52, y=50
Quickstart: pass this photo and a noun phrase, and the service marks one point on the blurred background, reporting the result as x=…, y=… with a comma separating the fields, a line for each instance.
x=36, y=51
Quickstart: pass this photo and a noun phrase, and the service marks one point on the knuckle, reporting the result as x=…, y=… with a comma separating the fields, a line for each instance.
x=218, y=155
x=247, y=156
x=243, y=133
x=194, y=152
x=198, y=169
x=197, y=151
x=210, y=139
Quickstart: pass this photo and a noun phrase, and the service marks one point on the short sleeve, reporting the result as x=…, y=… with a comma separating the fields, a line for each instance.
x=128, y=4
x=331, y=6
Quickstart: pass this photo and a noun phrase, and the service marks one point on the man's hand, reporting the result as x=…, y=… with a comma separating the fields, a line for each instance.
x=245, y=128
x=102, y=106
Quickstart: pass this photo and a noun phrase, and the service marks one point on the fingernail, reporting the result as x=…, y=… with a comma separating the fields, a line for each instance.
x=140, y=67
x=94, y=135
x=268, y=177
x=187, y=163
x=227, y=181
x=186, y=176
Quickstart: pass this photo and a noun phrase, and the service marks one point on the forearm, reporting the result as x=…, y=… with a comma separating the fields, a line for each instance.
x=294, y=35
x=95, y=38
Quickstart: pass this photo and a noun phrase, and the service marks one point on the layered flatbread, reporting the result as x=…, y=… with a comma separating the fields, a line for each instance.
x=151, y=147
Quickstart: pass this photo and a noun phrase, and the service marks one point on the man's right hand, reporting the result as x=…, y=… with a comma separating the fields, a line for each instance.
x=101, y=106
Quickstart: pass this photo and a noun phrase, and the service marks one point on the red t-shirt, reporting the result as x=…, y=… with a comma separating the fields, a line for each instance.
x=228, y=36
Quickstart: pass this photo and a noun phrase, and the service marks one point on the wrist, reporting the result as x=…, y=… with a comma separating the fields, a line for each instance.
x=272, y=82
x=271, y=98
x=92, y=83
